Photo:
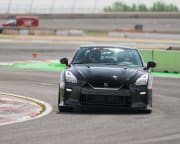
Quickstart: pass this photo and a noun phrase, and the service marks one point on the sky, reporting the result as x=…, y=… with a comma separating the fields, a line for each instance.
x=67, y=6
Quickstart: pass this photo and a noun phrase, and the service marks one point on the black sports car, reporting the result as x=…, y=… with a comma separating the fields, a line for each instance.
x=106, y=76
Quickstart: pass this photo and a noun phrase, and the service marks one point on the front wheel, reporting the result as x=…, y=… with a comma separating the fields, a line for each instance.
x=148, y=111
x=59, y=99
x=1, y=30
x=63, y=108
x=145, y=111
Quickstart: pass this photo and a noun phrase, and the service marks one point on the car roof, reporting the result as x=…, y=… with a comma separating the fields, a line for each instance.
x=107, y=45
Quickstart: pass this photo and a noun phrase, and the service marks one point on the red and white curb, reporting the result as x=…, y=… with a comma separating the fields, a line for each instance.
x=16, y=108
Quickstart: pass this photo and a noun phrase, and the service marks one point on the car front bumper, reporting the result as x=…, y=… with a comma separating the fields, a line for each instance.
x=134, y=97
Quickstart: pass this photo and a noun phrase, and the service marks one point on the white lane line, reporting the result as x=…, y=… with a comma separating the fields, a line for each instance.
x=47, y=108
x=44, y=41
x=28, y=61
x=6, y=63
x=41, y=41
x=6, y=40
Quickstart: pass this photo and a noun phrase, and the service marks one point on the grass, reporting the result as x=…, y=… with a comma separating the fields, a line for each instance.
x=56, y=67
x=96, y=33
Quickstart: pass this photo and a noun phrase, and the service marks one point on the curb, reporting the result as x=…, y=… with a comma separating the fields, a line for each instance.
x=46, y=108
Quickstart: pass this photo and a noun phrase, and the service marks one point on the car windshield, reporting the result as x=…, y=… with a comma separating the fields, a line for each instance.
x=108, y=56
x=12, y=21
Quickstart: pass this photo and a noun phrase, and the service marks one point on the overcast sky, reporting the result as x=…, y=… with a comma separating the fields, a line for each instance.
x=68, y=5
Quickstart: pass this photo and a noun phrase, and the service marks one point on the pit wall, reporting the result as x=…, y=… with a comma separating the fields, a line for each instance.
x=167, y=61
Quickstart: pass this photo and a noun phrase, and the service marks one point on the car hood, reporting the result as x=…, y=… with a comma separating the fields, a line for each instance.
x=110, y=75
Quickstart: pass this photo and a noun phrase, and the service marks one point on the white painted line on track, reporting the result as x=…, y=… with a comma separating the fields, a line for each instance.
x=44, y=41
x=28, y=61
x=47, y=108
x=6, y=63
x=6, y=40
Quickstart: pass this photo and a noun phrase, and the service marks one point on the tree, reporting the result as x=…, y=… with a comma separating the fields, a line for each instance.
x=142, y=7
x=157, y=7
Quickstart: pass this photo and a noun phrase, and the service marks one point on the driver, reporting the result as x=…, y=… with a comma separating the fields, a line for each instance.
x=95, y=56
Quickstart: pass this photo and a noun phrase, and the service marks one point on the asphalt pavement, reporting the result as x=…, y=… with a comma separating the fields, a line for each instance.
x=160, y=127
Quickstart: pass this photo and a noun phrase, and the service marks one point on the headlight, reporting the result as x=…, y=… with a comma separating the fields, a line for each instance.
x=142, y=80
x=70, y=77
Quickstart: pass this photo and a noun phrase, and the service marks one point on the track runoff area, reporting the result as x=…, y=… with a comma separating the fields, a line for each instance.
x=55, y=66
x=15, y=108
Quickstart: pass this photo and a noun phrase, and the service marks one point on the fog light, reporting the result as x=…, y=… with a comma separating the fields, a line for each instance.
x=69, y=90
x=142, y=93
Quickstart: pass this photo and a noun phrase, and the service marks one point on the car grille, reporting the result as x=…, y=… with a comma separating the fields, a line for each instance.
x=105, y=100
x=108, y=85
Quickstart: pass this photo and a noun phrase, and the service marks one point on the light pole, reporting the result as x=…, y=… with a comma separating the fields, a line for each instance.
x=52, y=6
x=9, y=6
x=31, y=6
x=73, y=6
x=95, y=5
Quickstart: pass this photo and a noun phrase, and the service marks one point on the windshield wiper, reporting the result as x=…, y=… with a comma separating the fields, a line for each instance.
x=110, y=64
x=78, y=63
x=123, y=64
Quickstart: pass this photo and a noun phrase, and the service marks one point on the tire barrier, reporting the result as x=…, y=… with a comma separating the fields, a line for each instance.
x=138, y=27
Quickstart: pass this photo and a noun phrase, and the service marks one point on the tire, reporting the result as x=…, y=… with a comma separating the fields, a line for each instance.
x=63, y=108
x=1, y=30
x=59, y=100
x=148, y=111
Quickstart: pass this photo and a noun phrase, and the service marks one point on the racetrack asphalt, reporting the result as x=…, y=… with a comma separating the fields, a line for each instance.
x=160, y=127
x=141, y=43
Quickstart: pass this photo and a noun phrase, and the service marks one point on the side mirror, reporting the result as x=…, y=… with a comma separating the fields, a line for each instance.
x=64, y=61
x=151, y=64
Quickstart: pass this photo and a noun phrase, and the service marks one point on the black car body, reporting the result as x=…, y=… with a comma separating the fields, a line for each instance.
x=106, y=76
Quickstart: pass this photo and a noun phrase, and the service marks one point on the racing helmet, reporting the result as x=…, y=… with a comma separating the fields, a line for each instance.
x=95, y=54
